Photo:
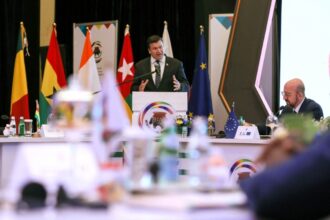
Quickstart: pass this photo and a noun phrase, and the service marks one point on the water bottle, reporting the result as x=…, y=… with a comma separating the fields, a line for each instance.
x=198, y=152
x=241, y=121
x=6, y=131
x=21, y=126
x=12, y=125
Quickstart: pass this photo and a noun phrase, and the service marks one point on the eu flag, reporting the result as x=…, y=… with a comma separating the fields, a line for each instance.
x=200, y=102
x=231, y=124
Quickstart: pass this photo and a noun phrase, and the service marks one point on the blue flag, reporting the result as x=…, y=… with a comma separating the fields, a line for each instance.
x=200, y=102
x=231, y=124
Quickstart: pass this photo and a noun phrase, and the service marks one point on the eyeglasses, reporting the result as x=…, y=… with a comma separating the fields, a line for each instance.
x=286, y=94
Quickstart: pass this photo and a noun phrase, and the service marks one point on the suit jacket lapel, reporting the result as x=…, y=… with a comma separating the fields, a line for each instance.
x=166, y=70
x=303, y=106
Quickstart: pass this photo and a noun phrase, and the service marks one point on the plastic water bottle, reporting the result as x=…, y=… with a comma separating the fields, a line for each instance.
x=12, y=125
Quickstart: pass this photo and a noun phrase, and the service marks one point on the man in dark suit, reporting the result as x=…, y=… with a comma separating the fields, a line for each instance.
x=296, y=189
x=168, y=73
x=296, y=103
x=294, y=96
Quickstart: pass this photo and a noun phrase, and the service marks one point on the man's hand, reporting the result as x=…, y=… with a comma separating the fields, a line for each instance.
x=143, y=85
x=176, y=84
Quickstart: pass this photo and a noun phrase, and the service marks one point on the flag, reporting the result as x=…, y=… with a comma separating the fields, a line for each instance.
x=231, y=124
x=167, y=41
x=88, y=76
x=125, y=74
x=109, y=116
x=53, y=78
x=37, y=116
x=200, y=102
x=19, y=105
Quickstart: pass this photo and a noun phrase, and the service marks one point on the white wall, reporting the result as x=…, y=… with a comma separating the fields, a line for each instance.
x=305, y=48
x=218, y=39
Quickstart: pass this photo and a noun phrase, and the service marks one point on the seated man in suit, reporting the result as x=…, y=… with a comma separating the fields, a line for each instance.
x=296, y=102
x=294, y=96
x=169, y=74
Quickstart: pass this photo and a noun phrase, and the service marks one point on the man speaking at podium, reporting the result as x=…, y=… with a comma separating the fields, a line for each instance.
x=159, y=73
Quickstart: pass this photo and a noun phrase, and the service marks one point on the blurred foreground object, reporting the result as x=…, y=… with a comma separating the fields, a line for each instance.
x=291, y=138
x=72, y=109
x=295, y=189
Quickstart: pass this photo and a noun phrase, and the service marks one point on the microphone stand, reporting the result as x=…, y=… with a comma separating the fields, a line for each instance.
x=279, y=112
x=136, y=78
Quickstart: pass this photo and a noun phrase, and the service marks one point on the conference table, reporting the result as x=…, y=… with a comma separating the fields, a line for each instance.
x=234, y=150
x=121, y=212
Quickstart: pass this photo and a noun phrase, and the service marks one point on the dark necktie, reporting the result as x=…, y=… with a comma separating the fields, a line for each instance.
x=157, y=68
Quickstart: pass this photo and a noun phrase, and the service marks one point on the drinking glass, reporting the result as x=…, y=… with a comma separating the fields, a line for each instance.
x=272, y=123
x=28, y=127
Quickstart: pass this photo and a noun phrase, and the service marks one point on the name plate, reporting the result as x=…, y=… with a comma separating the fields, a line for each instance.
x=47, y=131
x=247, y=132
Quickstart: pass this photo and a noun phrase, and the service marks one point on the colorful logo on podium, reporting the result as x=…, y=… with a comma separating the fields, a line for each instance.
x=242, y=169
x=153, y=114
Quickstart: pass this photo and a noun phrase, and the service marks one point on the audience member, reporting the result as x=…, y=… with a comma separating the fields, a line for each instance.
x=295, y=189
x=294, y=96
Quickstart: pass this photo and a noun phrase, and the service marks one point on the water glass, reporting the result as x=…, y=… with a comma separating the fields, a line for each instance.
x=272, y=123
x=28, y=127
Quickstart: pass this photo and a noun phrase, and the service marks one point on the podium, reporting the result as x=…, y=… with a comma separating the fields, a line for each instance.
x=150, y=108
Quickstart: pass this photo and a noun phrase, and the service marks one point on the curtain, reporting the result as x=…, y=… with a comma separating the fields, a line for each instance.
x=144, y=17
x=11, y=13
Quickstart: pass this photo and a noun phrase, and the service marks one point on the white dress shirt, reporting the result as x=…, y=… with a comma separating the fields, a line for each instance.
x=296, y=109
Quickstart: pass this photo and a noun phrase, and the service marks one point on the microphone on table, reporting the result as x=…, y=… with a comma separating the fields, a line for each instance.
x=4, y=117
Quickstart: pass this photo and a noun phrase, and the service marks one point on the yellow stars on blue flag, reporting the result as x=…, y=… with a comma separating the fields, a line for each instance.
x=200, y=102
x=202, y=66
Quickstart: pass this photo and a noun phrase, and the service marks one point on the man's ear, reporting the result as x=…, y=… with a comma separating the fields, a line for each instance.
x=300, y=95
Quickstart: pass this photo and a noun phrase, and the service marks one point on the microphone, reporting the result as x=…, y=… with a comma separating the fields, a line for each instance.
x=279, y=112
x=138, y=77
x=4, y=117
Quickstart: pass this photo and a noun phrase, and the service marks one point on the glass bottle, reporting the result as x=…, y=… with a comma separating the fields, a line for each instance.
x=21, y=126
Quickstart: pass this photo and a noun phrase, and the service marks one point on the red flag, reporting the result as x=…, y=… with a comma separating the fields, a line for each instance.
x=126, y=67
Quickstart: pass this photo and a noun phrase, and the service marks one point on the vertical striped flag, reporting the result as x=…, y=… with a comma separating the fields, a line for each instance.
x=88, y=75
x=125, y=73
x=200, y=102
x=53, y=78
x=19, y=105
x=167, y=41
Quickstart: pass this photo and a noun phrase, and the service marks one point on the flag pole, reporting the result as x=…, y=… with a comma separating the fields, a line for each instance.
x=54, y=28
x=126, y=29
x=25, y=43
x=201, y=28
